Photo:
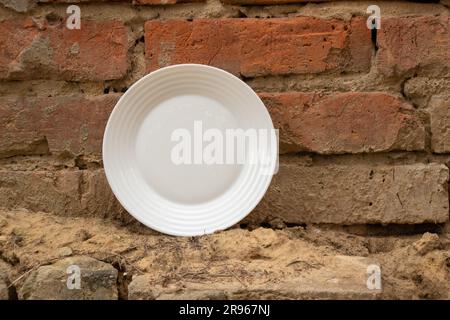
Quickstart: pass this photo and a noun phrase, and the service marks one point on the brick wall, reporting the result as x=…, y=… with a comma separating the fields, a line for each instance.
x=364, y=117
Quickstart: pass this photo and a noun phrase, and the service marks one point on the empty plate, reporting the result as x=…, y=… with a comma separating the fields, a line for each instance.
x=189, y=149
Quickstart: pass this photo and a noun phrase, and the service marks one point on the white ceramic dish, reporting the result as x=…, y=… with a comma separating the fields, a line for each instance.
x=184, y=199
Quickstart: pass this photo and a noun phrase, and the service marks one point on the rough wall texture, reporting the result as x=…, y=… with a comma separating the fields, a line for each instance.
x=364, y=117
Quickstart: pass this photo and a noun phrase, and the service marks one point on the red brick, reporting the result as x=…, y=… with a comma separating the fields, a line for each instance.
x=329, y=124
x=97, y=51
x=255, y=47
x=414, y=45
x=344, y=122
x=65, y=124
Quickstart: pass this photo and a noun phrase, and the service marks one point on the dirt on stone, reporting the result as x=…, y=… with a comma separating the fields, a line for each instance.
x=413, y=266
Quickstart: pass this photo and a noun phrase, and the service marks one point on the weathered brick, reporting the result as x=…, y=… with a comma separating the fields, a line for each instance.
x=269, y=2
x=414, y=46
x=97, y=51
x=356, y=194
x=439, y=110
x=344, y=122
x=163, y=2
x=79, y=1
x=64, y=192
x=41, y=191
x=418, y=90
x=328, y=124
x=97, y=198
x=136, y=2
x=255, y=47
x=353, y=194
x=71, y=124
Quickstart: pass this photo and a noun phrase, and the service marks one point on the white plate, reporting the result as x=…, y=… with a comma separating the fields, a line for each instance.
x=185, y=199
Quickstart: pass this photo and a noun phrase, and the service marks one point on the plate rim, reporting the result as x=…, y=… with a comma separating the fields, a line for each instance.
x=108, y=126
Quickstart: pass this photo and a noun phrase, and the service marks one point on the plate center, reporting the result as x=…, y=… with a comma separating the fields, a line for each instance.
x=178, y=149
